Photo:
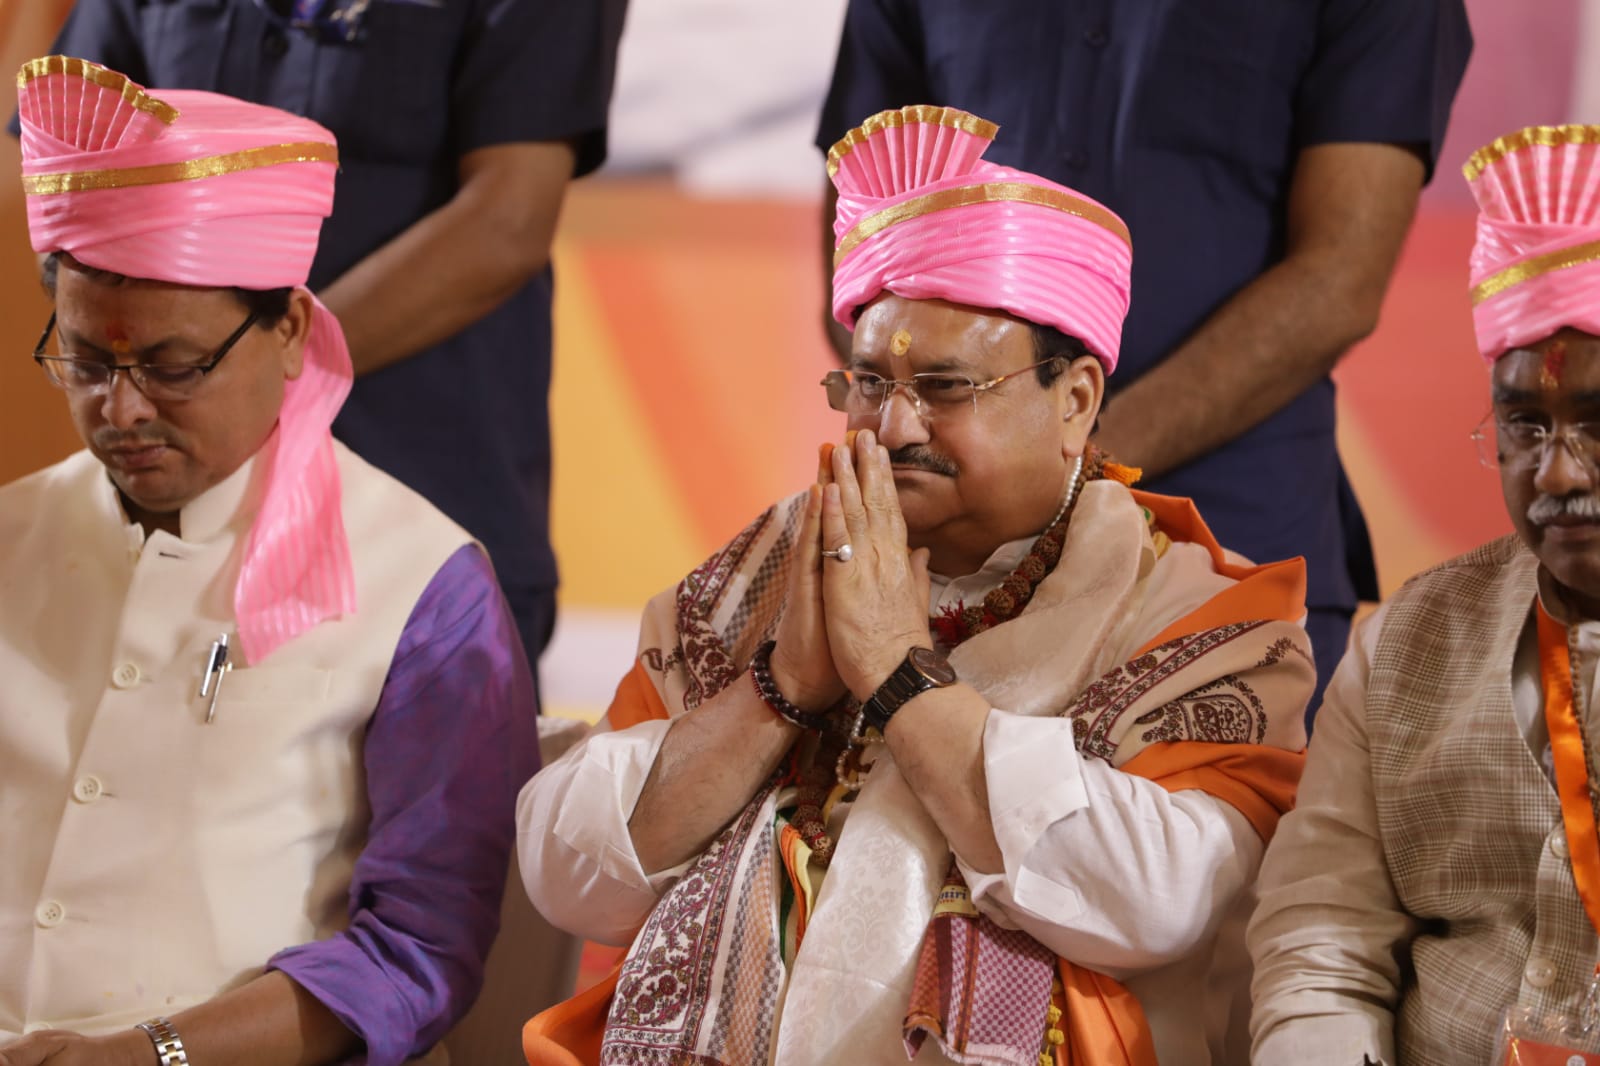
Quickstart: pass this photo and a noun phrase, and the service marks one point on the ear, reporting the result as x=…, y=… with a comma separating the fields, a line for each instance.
x=292, y=330
x=1079, y=391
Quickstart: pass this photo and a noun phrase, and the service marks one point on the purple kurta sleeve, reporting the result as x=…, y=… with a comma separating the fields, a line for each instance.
x=453, y=739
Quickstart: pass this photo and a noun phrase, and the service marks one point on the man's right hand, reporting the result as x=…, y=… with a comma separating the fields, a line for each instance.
x=716, y=756
x=802, y=663
x=59, y=1047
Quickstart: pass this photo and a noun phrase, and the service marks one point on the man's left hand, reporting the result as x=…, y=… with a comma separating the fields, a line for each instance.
x=57, y=1047
x=876, y=605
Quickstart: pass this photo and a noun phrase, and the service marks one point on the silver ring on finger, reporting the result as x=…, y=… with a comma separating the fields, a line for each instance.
x=841, y=554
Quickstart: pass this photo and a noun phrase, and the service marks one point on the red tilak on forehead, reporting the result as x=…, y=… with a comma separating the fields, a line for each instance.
x=117, y=338
x=1553, y=366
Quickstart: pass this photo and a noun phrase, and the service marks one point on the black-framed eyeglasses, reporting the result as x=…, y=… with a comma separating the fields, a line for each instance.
x=860, y=392
x=158, y=381
x=1518, y=442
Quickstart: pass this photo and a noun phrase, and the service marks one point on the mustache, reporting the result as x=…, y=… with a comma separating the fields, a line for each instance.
x=109, y=440
x=1547, y=509
x=921, y=457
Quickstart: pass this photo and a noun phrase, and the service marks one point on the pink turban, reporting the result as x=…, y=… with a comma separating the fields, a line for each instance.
x=922, y=216
x=1536, y=263
x=201, y=189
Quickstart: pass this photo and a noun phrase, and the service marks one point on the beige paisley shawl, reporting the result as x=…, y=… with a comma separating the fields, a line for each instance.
x=704, y=981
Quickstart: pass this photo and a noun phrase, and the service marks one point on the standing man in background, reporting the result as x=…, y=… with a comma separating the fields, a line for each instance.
x=1267, y=158
x=460, y=125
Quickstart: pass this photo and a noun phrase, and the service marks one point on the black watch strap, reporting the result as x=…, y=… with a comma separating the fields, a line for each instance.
x=921, y=670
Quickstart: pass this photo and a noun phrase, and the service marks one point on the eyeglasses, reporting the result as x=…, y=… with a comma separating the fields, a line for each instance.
x=932, y=395
x=1517, y=442
x=158, y=381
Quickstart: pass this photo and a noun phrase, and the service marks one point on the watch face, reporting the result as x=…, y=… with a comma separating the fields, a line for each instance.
x=933, y=666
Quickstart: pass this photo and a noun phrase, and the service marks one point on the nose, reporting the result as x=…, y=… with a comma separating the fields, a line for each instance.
x=123, y=405
x=900, y=423
x=1564, y=468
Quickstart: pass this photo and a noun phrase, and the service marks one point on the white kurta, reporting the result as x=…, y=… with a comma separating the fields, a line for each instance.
x=124, y=892
x=1107, y=869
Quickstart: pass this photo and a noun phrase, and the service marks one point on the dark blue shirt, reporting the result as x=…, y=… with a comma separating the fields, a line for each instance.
x=466, y=422
x=1185, y=118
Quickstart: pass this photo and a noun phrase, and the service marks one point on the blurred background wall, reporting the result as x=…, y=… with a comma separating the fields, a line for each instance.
x=689, y=294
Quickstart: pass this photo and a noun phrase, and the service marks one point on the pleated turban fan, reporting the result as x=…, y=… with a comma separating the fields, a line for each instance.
x=921, y=215
x=1536, y=262
x=202, y=189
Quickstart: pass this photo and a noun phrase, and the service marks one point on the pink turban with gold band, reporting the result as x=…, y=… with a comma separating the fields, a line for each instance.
x=1536, y=262
x=201, y=189
x=922, y=216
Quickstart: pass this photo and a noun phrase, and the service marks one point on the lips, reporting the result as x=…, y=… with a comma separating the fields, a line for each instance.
x=136, y=458
x=1571, y=534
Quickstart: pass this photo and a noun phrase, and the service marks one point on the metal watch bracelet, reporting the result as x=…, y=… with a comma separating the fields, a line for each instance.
x=169, y=1045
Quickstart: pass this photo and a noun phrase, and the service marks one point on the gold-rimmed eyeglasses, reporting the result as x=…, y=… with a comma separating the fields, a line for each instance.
x=1518, y=441
x=861, y=392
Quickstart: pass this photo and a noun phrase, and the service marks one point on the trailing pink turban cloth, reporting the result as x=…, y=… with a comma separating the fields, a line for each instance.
x=1536, y=263
x=201, y=189
x=922, y=216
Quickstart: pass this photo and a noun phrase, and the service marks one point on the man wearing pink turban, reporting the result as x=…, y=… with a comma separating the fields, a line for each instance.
x=1435, y=896
x=1267, y=158
x=967, y=752
x=264, y=708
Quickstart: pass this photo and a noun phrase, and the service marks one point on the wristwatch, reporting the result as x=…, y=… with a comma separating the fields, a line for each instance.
x=922, y=669
x=169, y=1046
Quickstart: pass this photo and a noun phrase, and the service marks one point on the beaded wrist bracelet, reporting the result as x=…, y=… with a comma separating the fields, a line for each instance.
x=767, y=689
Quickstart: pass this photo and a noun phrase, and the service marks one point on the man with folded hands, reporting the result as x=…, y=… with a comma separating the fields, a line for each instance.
x=969, y=748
